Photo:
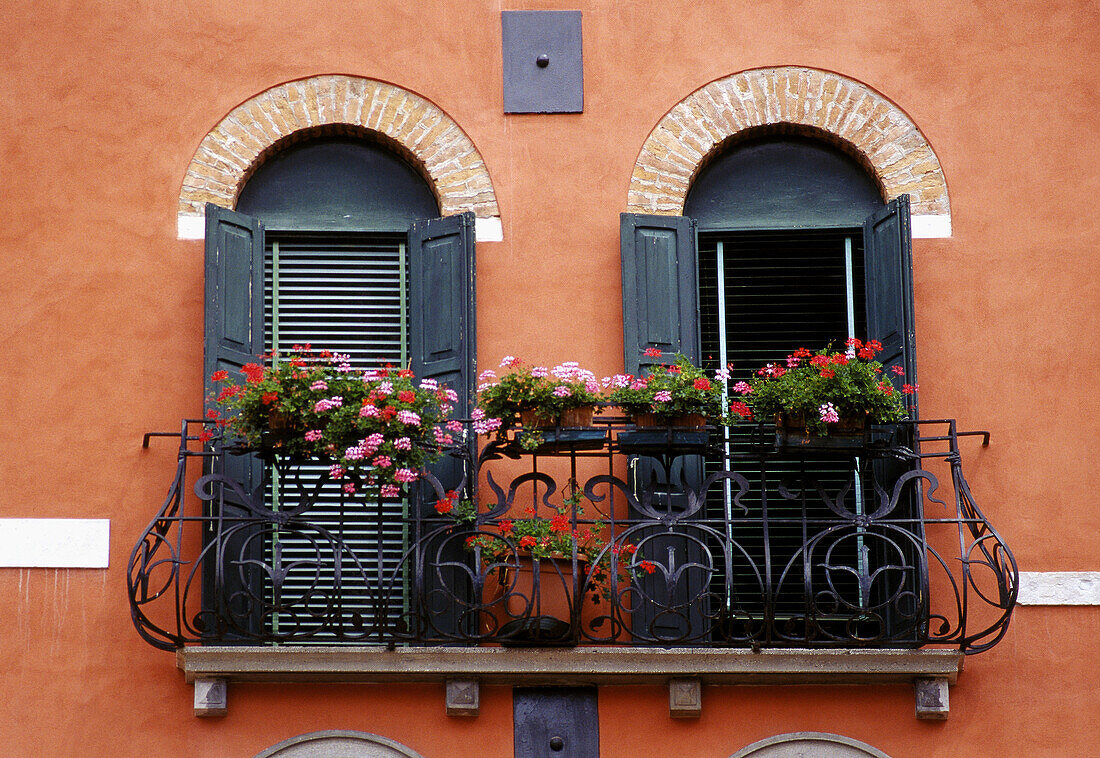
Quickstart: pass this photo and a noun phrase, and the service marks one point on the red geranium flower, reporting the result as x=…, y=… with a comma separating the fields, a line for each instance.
x=648, y=566
x=741, y=409
x=506, y=528
x=827, y=373
x=219, y=375
x=527, y=541
x=819, y=360
x=406, y=396
x=702, y=383
x=229, y=391
x=404, y=373
x=652, y=352
x=253, y=372
x=269, y=397
x=840, y=359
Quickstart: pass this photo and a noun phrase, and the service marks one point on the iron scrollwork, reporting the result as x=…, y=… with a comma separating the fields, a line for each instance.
x=769, y=548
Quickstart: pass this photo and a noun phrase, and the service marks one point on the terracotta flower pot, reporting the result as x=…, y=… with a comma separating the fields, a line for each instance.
x=569, y=418
x=280, y=429
x=848, y=432
x=686, y=420
x=525, y=614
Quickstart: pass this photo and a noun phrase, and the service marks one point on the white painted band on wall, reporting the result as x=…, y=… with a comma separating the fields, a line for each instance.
x=54, y=542
x=488, y=229
x=190, y=227
x=1059, y=588
x=931, y=227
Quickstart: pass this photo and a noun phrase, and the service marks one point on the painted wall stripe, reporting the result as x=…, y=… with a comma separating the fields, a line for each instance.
x=1059, y=588
x=190, y=227
x=194, y=228
x=488, y=229
x=930, y=226
x=54, y=542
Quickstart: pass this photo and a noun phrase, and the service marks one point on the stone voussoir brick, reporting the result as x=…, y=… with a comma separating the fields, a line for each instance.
x=683, y=139
x=229, y=153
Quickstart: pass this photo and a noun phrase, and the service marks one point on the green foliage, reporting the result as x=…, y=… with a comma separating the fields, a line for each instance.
x=555, y=536
x=851, y=384
x=669, y=390
x=548, y=392
x=377, y=426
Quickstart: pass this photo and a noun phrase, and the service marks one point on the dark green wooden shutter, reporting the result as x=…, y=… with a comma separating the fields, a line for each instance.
x=234, y=336
x=441, y=303
x=660, y=288
x=234, y=291
x=888, y=253
x=888, y=272
x=661, y=309
x=442, y=347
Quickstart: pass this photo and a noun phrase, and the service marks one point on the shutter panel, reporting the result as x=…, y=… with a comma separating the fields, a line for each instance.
x=888, y=272
x=661, y=309
x=442, y=338
x=234, y=336
x=441, y=303
x=234, y=291
x=660, y=288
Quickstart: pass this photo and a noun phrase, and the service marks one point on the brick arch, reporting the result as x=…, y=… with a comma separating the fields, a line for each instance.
x=334, y=104
x=798, y=100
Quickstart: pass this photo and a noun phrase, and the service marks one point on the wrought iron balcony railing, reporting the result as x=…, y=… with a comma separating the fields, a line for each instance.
x=683, y=538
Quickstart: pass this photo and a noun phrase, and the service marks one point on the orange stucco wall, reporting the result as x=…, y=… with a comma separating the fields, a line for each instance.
x=104, y=105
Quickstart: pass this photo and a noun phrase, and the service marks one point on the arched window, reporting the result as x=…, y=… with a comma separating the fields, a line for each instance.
x=785, y=242
x=335, y=242
x=770, y=198
x=780, y=249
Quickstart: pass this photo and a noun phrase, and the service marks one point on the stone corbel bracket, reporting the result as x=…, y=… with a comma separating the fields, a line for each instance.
x=463, y=670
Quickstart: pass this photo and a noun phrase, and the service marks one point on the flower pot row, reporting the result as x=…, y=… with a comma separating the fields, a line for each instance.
x=686, y=432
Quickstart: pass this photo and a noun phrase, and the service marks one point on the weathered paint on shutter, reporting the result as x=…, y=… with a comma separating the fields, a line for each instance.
x=441, y=303
x=234, y=291
x=442, y=337
x=660, y=288
x=888, y=255
x=234, y=336
x=661, y=309
x=888, y=271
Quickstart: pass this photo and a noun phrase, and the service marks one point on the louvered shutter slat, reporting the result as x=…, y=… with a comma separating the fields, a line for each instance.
x=340, y=293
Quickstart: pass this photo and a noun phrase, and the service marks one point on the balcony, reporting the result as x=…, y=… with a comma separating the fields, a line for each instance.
x=698, y=556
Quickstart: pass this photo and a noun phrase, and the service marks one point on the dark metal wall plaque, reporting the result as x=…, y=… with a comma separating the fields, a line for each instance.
x=543, y=68
x=556, y=722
